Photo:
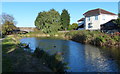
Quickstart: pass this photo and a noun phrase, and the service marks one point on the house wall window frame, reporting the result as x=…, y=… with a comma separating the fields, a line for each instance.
x=96, y=17
x=90, y=25
x=88, y=18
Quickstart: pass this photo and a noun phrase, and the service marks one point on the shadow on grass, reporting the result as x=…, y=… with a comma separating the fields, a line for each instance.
x=16, y=59
x=7, y=47
x=22, y=61
x=7, y=58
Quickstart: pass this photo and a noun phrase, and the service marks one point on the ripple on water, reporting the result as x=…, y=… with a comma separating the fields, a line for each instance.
x=80, y=57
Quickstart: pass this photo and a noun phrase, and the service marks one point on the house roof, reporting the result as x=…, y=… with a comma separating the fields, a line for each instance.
x=82, y=19
x=97, y=11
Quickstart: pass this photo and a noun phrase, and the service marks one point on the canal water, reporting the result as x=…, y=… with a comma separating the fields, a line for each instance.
x=80, y=57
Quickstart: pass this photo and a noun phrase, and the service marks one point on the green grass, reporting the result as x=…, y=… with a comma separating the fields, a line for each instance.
x=93, y=37
x=13, y=54
x=36, y=32
x=7, y=45
x=33, y=34
x=16, y=59
x=54, y=62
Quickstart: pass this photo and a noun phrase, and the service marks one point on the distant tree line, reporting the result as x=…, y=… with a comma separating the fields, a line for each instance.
x=47, y=21
x=51, y=21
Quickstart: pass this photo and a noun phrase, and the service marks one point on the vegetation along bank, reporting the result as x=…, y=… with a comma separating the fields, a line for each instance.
x=16, y=59
x=96, y=38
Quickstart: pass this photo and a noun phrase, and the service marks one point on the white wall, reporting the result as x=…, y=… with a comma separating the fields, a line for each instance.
x=94, y=23
x=102, y=18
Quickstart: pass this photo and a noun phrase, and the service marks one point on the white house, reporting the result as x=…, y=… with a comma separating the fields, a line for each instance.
x=94, y=18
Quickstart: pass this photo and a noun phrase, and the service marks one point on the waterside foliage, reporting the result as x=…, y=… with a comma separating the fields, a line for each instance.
x=54, y=62
x=95, y=38
x=16, y=59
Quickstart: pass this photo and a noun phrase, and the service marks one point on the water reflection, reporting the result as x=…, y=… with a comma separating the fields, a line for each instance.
x=99, y=63
x=81, y=58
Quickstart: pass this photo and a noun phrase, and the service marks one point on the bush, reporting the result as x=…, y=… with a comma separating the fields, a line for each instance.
x=73, y=26
x=117, y=38
x=50, y=60
x=93, y=37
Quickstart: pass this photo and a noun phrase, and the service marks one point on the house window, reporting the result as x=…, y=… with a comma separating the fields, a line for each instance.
x=90, y=25
x=96, y=17
x=88, y=18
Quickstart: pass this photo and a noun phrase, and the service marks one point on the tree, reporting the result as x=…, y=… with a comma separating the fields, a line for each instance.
x=119, y=9
x=117, y=21
x=119, y=14
x=73, y=26
x=65, y=19
x=7, y=23
x=48, y=22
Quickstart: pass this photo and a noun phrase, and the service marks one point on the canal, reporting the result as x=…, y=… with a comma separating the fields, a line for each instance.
x=80, y=57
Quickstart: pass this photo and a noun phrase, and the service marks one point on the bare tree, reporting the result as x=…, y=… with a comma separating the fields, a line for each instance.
x=7, y=23
x=6, y=17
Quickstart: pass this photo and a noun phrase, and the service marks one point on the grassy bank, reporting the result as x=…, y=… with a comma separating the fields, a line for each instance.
x=54, y=62
x=16, y=59
x=60, y=35
x=33, y=34
x=95, y=38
